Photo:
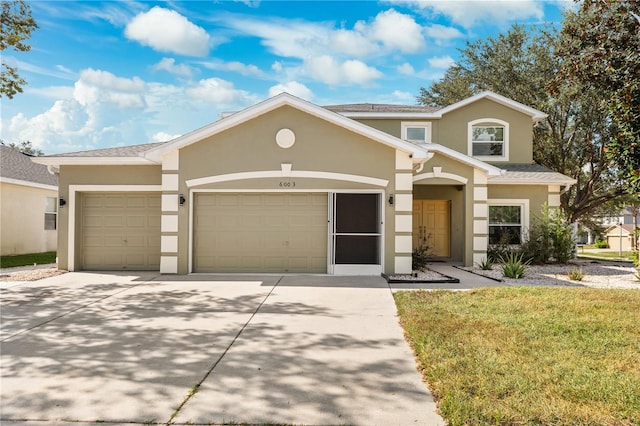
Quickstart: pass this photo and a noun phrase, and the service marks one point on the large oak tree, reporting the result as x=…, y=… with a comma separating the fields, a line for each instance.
x=573, y=140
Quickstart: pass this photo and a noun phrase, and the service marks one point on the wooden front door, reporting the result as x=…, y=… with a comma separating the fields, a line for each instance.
x=431, y=220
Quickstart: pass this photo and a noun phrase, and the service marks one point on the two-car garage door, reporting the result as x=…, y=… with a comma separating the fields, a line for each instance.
x=260, y=232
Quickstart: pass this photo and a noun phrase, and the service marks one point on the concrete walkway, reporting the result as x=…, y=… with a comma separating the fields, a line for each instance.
x=133, y=349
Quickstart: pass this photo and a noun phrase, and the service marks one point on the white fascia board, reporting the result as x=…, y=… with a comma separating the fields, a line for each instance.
x=28, y=184
x=94, y=161
x=277, y=102
x=398, y=115
x=470, y=161
x=500, y=181
x=535, y=114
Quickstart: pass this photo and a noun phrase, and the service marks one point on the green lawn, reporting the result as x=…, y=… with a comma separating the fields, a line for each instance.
x=528, y=356
x=628, y=255
x=28, y=259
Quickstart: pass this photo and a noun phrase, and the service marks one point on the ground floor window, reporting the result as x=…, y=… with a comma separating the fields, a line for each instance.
x=50, y=213
x=507, y=222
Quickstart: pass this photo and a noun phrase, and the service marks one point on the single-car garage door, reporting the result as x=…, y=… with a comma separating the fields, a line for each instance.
x=120, y=231
x=262, y=232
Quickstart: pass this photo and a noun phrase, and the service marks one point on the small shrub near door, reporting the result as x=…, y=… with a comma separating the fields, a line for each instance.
x=422, y=253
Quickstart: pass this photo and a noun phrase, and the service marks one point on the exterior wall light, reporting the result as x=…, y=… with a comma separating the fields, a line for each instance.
x=181, y=199
x=390, y=199
x=62, y=202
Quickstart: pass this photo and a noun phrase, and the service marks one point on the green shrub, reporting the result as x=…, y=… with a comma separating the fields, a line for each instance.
x=550, y=238
x=422, y=253
x=601, y=244
x=514, y=265
x=576, y=274
x=485, y=264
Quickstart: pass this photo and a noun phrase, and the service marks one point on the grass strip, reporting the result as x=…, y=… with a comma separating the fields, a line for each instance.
x=512, y=356
x=28, y=259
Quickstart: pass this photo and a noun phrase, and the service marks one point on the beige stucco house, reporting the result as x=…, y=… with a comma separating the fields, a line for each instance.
x=286, y=186
x=28, y=205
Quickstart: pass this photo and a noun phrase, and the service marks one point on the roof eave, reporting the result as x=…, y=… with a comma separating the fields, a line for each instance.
x=562, y=182
x=94, y=161
x=535, y=114
x=470, y=161
x=392, y=115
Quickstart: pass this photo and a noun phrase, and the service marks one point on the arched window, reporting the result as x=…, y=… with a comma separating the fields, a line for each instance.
x=489, y=139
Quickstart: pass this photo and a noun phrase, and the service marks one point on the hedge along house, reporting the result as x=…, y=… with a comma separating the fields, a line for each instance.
x=286, y=186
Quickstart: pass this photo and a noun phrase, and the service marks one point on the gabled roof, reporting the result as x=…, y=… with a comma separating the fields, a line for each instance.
x=129, y=155
x=627, y=229
x=17, y=168
x=429, y=113
x=284, y=99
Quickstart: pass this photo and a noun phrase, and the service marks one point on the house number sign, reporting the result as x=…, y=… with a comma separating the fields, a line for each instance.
x=287, y=184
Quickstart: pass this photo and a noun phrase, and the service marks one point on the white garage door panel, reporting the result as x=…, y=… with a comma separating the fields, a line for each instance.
x=260, y=232
x=120, y=231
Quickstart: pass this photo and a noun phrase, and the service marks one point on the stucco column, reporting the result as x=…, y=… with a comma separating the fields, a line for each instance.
x=480, y=216
x=403, y=210
x=553, y=199
x=169, y=218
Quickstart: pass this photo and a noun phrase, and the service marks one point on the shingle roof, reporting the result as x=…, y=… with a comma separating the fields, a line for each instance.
x=343, y=108
x=523, y=173
x=16, y=165
x=119, y=151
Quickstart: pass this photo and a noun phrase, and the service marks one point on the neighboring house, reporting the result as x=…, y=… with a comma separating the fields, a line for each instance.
x=289, y=186
x=625, y=217
x=28, y=204
x=620, y=237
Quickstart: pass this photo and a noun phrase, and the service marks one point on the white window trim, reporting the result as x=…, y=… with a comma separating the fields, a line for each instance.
x=419, y=124
x=488, y=122
x=523, y=203
x=55, y=213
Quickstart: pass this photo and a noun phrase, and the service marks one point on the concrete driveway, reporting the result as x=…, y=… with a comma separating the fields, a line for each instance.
x=120, y=348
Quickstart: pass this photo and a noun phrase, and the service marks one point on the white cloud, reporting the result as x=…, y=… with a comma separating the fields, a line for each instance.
x=162, y=137
x=328, y=70
x=102, y=87
x=442, y=32
x=277, y=66
x=406, y=69
x=397, y=31
x=389, y=31
x=220, y=92
x=234, y=66
x=169, y=65
x=472, y=12
x=441, y=62
x=404, y=97
x=294, y=88
x=103, y=110
x=168, y=31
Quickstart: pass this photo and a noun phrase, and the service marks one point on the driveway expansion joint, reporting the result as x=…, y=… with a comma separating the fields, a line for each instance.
x=196, y=387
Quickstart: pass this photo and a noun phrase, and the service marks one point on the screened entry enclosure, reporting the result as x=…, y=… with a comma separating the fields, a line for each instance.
x=356, y=233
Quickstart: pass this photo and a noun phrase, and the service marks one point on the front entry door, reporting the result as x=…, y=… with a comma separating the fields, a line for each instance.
x=431, y=220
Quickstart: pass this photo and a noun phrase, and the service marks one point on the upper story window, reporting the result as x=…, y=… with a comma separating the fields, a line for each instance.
x=50, y=213
x=416, y=132
x=489, y=139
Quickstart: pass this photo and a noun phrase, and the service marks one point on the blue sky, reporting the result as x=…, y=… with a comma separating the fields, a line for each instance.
x=104, y=74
